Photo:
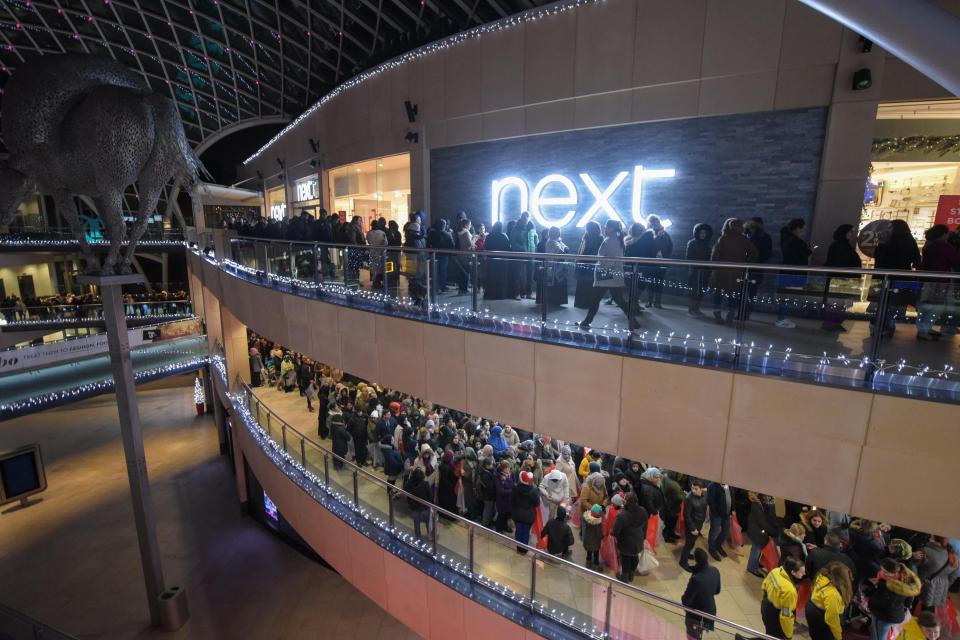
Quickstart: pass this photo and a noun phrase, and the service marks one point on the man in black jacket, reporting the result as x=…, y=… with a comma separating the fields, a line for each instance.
x=720, y=500
x=486, y=488
x=358, y=429
x=694, y=516
x=761, y=526
x=831, y=551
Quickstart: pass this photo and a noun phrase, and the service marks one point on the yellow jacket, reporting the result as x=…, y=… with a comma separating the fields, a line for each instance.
x=584, y=469
x=827, y=598
x=912, y=631
x=779, y=590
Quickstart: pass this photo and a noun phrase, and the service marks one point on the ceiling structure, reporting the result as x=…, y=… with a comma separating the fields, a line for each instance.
x=230, y=62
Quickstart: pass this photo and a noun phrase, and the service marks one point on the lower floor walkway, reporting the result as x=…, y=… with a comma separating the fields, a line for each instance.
x=75, y=558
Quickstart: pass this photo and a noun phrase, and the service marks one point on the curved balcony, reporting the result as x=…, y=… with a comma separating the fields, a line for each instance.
x=62, y=239
x=63, y=316
x=831, y=446
x=809, y=324
x=466, y=566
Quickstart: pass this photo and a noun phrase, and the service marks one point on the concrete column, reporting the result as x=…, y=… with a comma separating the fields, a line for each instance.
x=234, y=334
x=847, y=144
x=132, y=434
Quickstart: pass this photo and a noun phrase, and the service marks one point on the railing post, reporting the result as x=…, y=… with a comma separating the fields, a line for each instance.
x=742, y=310
x=317, y=264
x=346, y=268
x=433, y=529
x=356, y=489
x=303, y=453
x=269, y=433
x=542, y=288
x=633, y=303
x=474, y=278
x=293, y=261
x=390, y=507
x=470, y=535
x=429, y=272
x=533, y=580
x=609, y=608
x=386, y=276
x=881, y=324
x=326, y=469
x=283, y=436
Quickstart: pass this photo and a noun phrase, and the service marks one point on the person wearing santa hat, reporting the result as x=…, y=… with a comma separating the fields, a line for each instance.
x=524, y=501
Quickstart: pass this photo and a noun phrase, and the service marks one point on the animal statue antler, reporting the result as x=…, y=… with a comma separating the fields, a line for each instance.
x=85, y=125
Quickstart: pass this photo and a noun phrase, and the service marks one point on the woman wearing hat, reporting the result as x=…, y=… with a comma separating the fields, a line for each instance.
x=524, y=501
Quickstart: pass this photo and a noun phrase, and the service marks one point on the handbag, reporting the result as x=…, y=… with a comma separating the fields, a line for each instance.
x=653, y=529
x=736, y=532
x=769, y=556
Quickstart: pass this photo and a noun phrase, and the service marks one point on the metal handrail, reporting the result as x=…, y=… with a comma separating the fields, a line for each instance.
x=20, y=619
x=538, y=553
x=88, y=335
x=836, y=272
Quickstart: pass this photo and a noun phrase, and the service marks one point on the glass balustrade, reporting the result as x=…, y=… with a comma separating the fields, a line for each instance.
x=890, y=331
x=588, y=602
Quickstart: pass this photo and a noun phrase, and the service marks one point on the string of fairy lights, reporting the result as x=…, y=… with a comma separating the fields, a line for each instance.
x=531, y=15
x=335, y=501
x=67, y=322
x=18, y=242
x=657, y=343
x=86, y=390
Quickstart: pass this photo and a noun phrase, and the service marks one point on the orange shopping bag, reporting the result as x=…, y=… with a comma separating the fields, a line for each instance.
x=653, y=530
x=770, y=557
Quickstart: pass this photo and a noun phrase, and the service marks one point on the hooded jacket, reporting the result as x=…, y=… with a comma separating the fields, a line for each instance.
x=630, y=530
x=523, y=502
x=762, y=523
x=732, y=246
x=497, y=441
x=554, y=487
x=698, y=249
x=887, y=599
x=592, y=531
x=779, y=589
x=591, y=493
x=651, y=497
x=559, y=536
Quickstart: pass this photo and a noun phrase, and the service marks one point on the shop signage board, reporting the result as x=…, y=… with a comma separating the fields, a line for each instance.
x=948, y=211
x=307, y=189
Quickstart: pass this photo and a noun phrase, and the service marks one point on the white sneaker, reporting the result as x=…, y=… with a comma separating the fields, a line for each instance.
x=786, y=324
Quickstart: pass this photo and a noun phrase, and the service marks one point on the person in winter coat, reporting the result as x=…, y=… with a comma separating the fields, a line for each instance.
x=256, y=368
x=732, y=246
x=694, y=517
x=663, y=249
x=558, y=535
x=310, y=391
x=497, y=441
x=584, y=469
x=486, y=489
x=288, y=375
x=720, y=500
x=608, y=275
x=840, y=253
x=795, y=252
x=593, y=536
x=673, y=497
x=427, y=462
x=923, y=627
x=791, y=542
x=511, y=436
x=831, y=551
x=832, y=592
x=594, y=492
x=341, y=440
x=503, y=481
x=887, y=596
x=554, y=489
x=392, y=461
x=566, y=466
x=815, y=527
x=698, y=278
x=358, y=429
x=779, y=598
x=523, y=239
x=630, y=531
x=418, y=486
x=866, y=547
x=761, y=525
x=524, y=501
x=447, y=483
x=937, y=569
x=583, y=270
x=700, y=594
x=468, y=474
x=650, y=494
x=898, y=251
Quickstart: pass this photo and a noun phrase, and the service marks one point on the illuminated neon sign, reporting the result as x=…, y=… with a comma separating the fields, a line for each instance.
x=278, y=211
x=563, y=193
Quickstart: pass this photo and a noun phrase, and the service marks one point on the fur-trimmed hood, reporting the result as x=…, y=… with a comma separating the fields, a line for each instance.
x=907, y=585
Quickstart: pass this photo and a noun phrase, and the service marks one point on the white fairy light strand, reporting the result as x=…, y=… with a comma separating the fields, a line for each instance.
x=420, y=52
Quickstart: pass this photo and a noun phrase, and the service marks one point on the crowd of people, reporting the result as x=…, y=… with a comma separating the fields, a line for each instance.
x=87, y=305
x=596, y=270
x=830, y=569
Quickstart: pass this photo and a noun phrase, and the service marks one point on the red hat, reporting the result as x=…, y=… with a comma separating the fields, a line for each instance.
x=526, y=477
x=395, y=408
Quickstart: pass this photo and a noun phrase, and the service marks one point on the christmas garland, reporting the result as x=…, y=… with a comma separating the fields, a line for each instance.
x=941, y=145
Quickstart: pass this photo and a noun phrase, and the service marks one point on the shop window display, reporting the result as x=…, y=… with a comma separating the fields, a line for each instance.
x=372, y=189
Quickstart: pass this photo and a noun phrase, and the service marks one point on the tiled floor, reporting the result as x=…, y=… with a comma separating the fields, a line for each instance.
x=738, y=602
x=72, y=561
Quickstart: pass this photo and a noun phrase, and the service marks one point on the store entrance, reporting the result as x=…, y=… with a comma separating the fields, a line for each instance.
x=377, y=188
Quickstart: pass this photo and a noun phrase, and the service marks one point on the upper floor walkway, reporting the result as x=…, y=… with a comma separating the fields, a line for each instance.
x=61, y=239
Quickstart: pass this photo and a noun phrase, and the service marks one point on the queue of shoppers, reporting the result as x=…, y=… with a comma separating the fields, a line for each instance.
x=826, y=572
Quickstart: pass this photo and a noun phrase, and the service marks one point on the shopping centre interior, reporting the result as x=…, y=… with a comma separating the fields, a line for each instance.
x=578, y=319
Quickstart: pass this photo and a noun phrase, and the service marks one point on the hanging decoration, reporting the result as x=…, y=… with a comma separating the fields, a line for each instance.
x=940, y=145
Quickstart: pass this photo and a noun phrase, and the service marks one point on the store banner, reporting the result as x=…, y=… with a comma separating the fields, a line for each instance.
x=42, y=355
x=948, y=212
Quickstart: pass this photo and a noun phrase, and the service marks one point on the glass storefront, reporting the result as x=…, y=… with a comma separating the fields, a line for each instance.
x=372, y=189
x=277, y=203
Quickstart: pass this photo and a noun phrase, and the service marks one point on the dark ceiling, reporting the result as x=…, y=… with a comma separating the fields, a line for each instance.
x=228, y=61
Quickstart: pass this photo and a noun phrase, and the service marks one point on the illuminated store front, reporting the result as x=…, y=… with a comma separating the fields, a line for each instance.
x=306, y=195
x=277, y=203
x=372, y=189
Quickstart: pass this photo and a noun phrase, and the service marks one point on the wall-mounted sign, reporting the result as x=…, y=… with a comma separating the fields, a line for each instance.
x=278, y=211
x=554, y=200
x=308, y=189
x=948, y=211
